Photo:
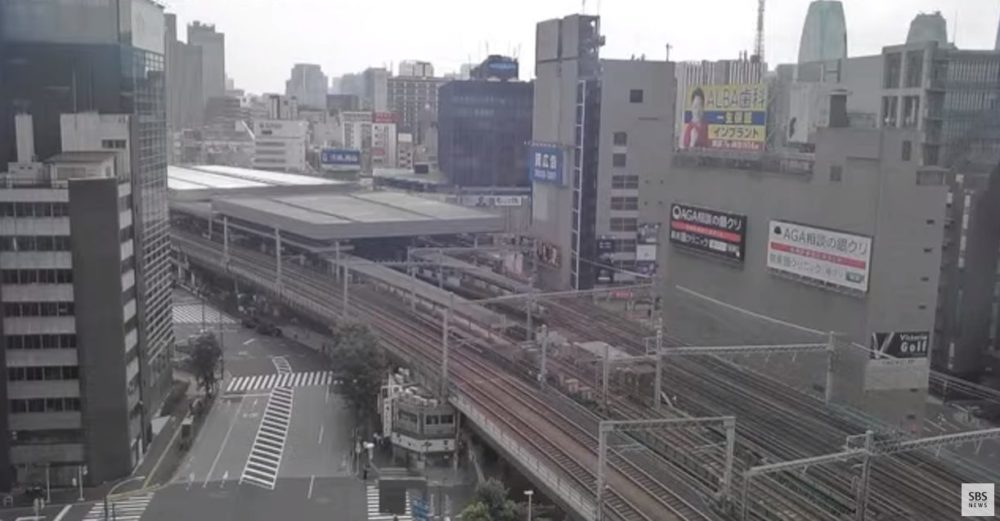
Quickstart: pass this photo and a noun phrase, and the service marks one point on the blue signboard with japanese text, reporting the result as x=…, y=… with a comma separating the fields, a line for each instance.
x=340, y=157
x=545, y=163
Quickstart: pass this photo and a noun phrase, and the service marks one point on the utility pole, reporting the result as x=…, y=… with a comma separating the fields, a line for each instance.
x=444, y=345
x=531, y=304
x=861, y=494
x=344, y=290
x=831, y=345
x=602, y=462
x=545, y=354
x=605, y=372
x=277, y=253
x=658, y=376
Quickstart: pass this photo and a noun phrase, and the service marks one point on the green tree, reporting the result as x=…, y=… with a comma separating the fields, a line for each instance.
x=490, y=503
x=205, y=358
x=361, y=365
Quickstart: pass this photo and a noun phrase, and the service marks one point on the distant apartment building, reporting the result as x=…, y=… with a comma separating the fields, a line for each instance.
x=213, y=53
x=824, y=33
x=601, y=133
x=383, y=140
x=308, y=84
x=376, y=89
x=185, y=88
x=280, y=145
x=404, y=151
x=483, y=131
x=277, y=106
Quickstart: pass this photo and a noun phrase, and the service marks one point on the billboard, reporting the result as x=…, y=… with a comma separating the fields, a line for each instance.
x=730, y=117
x=340, y=159
x=383, y=117
x=645, y=242
x=545, y=163
x=493, y=200
x=895, y=344
x=721, y=234
x=825, y=256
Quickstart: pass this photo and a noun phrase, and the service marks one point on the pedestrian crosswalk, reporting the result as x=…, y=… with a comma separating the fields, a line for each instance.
x=281, y=364
x=242, y=384
x=375, y=506
x=261, y=468
x=192, y=314
x=127, y=509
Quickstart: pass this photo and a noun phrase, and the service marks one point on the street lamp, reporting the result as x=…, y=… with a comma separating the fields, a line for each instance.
x=529, y=493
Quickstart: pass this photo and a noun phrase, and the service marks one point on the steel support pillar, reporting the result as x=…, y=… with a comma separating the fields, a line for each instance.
x=277, y=253
x=545, y=354
x=446, y=324
x=831, y=344
x=602, y=463
x=861, y=494
x=658, y=376
x=727, y=472
x=225, y=237
x=605, y=372
x=345, y=299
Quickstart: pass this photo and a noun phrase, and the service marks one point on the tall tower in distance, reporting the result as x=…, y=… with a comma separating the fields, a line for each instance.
x=928, y=27
x=824, y=34
x=996, y=47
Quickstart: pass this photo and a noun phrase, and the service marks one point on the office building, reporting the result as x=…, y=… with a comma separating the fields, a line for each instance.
x=52, y=64
x=343, y=103
x=383, y=141
x=376, y=90
x=601, y=131
x=213, y=57
x=357, y=128
x=846, y=239
x=483, y=131
x=404, y=151
x=277, y=106
x=494, y=67
x=414, y=100
x=72, y=386
x=184, y=68
x=280, y=145
x=928, y=27
x=824, y=33
x=416, y=68
x=308, y=84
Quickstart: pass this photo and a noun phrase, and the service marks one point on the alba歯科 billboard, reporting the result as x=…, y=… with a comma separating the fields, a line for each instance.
x=732, y=117
x=717, y=233
x=545, y=163
x=826, y=256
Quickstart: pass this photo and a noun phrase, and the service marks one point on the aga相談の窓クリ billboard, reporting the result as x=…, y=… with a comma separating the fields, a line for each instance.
x=826, y=256
x=732, y=117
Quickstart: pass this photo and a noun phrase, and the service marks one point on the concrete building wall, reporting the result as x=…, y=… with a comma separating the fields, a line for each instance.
x=101, y=326
x=213, y=51
x=878, y=196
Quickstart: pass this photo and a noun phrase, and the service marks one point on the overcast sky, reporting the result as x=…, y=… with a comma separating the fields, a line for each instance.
x=265, y=37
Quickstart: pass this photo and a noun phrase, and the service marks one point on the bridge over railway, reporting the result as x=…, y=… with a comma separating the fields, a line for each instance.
x=661, y=475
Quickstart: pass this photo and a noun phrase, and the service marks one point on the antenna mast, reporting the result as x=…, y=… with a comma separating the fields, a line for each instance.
x=758, y=46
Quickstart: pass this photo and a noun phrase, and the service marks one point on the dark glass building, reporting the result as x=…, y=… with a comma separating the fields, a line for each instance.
x=483, y=130
x=108, y=57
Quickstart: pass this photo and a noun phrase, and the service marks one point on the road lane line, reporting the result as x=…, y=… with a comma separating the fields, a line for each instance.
x=223, y=446
x=62, y=513
x=320, y=441
x=248, y=342
x=309, y=495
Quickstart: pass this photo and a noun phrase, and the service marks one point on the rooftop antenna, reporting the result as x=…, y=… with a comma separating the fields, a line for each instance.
x=668, y=51
x=758, y=46
x=583, y=6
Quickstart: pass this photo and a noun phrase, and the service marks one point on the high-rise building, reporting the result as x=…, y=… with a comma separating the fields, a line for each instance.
x=213, y=53
x=52, y=64
x=308, y=84
x=185, y=89
x=928, y=27
x=601, y=132
x=414, y=99
x=376, y=90
x=996, y=47
x=824, y=33
x=483, y=131
x=281, y=107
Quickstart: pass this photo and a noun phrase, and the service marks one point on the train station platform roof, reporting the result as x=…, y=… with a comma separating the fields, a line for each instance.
x=201, y=182
x=334, y=216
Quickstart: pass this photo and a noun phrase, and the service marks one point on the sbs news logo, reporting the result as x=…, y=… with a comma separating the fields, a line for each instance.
x=978, y=499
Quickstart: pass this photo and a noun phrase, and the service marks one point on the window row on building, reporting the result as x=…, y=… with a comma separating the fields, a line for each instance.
x=10, y=209
x=35, y=243
x=43, y=276
x=38, y=309
x=41, y=373
x=63, y=341
x=45, y=405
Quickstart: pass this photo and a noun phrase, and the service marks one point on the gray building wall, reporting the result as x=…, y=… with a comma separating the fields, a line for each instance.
x=878, y=197
x=185, y=88
x=97, y=288
x=213, y=52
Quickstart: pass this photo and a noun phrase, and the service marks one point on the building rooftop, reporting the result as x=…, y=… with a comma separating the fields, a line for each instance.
x=87, y=156
x=336, y=216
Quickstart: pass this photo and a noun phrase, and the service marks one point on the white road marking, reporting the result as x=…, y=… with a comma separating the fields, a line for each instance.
x=261, y=468
x=320, y=440
x=62, y=513
x=250, y=341
x=247, y=384
x=309, y=494
x=128, y=509
x=225, y=440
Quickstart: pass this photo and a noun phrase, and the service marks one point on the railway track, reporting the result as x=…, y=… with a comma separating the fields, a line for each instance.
x=628, y=484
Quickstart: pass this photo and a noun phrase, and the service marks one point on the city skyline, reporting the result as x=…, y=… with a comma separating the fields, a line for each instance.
x=260, y=64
